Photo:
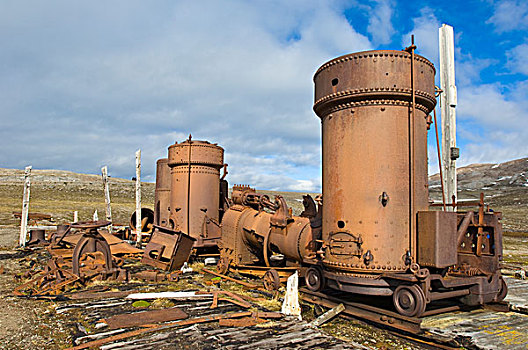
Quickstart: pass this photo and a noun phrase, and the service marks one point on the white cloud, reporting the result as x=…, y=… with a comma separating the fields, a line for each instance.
x=92, y=84
x=510, y=15
x=425, y=32
x=517, y=59
x=380, y=22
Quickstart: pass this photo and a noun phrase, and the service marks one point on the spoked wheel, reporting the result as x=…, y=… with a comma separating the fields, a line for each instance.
x=271, y=280
x=222, y=266
x=502, y=292
x=314, y=279
x=409, y=300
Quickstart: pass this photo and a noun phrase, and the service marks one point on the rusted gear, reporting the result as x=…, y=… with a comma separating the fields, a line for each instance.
x=223, y=265
x=271, y=280
x=92, y=242
x=409, y=300
x=314, y=279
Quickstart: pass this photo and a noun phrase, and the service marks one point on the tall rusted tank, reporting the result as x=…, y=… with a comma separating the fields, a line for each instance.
x=162, y=193
x=374, y=160
x=195, y=190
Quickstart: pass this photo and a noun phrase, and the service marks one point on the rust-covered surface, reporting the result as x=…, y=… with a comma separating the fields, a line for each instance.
x=162, y=192
x=363, y=100
x=195, y=190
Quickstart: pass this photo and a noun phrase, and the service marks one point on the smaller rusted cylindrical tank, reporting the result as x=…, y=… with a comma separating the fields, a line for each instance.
x=162, y=193
x=195, y=190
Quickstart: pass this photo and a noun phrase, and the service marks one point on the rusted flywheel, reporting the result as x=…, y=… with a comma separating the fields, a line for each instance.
x=92, y=252
x=409, y=300
x=222, y=266
x=271, y=280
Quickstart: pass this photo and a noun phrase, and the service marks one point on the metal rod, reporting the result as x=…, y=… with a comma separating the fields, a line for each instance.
x=439, y=160
x=480, y=231
x=412, y=229
x=189, y=187
x=447, y=295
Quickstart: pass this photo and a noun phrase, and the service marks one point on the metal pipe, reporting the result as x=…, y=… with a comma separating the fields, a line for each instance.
x=412, y=220
x=447, y=295
x=439, y=160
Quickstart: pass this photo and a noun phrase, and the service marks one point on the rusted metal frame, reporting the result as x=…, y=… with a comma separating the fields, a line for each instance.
x=245, y=284
x=365, y=312
x=439, y=160
x=447, y=295
x=480, y=230
x=441, y=310
x=156, y=328
x=468, y=219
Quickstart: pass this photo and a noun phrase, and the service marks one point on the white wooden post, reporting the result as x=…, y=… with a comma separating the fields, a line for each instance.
x=104, y=173
x=448, y=102
x=95, y=216
x=25, y=207
x=138, y=196
x=75, y=216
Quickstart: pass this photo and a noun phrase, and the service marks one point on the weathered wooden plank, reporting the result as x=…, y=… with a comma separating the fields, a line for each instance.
x=138, y=196
x=25, y=206
x=106, y=189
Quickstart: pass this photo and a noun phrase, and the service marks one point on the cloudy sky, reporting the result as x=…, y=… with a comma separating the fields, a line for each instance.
x=85, y=84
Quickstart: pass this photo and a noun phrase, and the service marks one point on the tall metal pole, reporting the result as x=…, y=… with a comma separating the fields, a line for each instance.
x=448, y=102
x=25, y=207
x=138, y=196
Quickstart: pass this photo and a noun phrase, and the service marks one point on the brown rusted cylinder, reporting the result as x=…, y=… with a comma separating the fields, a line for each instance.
x=162, y=193
x=249, y=235
x=364, y=102
x=195, y=190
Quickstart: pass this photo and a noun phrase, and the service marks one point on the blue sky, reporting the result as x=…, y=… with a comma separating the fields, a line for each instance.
x=87, y=84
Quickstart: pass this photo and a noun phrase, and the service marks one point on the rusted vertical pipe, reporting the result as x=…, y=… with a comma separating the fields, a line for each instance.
x=412, y=219
x=439, y=160
x=480, y=231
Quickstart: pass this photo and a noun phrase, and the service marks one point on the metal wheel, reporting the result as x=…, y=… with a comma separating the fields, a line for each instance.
x=409, y=300
x=502, y=292
x=314, y=279
x=271, y=280
x=222, y=266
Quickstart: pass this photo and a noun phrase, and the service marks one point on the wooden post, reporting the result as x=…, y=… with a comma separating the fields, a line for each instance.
x=104, y=173
x=75, y=216
x=25, y=207
x=138, y=196
x=448, y=102
x=95, y=216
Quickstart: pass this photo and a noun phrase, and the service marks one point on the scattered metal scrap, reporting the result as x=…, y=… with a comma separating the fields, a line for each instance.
x=167, y=249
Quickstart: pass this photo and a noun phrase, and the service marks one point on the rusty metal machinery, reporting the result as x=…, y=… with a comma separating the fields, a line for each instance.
x=259, y=232
x=378, y=236
x=197, y=191
x=162, y=193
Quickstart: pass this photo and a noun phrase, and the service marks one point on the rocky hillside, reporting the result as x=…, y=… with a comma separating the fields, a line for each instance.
x=476, y=177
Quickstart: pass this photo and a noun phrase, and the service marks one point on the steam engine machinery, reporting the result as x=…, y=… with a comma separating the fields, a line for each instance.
x=376, y=233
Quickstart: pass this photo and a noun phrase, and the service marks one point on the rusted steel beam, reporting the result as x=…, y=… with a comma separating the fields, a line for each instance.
x=145, y=317
x=245, y=284
x=365, y=312
x=158, y=328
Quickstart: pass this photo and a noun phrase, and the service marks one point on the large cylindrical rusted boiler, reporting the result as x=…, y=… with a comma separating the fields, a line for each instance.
x=374, y=158
x=195, y=190
x=162, y=192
